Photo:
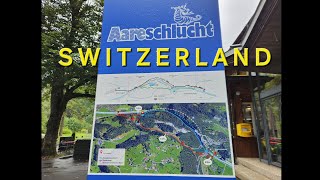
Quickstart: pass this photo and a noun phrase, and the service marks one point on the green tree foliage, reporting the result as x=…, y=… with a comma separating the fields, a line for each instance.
x=81, y=109
x=73, y=124
x=66, y=131
x=72, y=24
x=274, y=82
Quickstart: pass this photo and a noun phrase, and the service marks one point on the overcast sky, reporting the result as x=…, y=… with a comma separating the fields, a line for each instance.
x=234, y=15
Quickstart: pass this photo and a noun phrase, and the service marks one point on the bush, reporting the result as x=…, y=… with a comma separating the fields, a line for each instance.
x=73, y=124
x=66, y=131
x=90, y=130
x=85, y=131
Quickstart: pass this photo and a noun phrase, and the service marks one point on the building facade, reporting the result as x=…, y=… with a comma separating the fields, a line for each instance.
x=254, y=93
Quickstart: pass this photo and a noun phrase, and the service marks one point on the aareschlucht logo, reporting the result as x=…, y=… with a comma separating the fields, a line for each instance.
x=183, y=15
x=187, y=25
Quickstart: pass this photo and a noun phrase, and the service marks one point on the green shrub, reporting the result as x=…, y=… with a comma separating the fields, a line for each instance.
x=66, y=131
x=90, y=130
x=85, y=131
x=73, y=124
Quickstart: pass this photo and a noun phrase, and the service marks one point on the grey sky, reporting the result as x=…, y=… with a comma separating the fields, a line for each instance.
x=234, y=15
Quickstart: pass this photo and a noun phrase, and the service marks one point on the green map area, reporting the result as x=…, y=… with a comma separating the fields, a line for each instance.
x=196, y=138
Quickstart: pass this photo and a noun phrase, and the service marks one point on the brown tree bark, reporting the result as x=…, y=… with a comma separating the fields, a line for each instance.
x=58, y=106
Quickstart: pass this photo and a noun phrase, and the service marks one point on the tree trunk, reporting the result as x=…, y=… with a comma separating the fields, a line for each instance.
x=61, y=125
x=58, y=106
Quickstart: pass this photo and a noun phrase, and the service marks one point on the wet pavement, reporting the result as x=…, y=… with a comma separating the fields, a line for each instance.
x=64, y=169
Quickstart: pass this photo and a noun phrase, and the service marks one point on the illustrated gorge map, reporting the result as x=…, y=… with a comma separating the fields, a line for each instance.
x=158, y=136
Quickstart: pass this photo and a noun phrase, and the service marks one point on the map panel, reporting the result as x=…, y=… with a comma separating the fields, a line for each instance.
x=163, y=138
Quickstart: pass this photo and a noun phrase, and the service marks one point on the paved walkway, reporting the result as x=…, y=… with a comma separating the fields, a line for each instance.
x=64, y=169
x=253, y=169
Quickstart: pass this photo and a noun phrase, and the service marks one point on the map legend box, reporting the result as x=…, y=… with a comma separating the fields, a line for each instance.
x=113, y=157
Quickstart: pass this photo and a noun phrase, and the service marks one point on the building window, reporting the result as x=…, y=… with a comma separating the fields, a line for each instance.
x=247, y=112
